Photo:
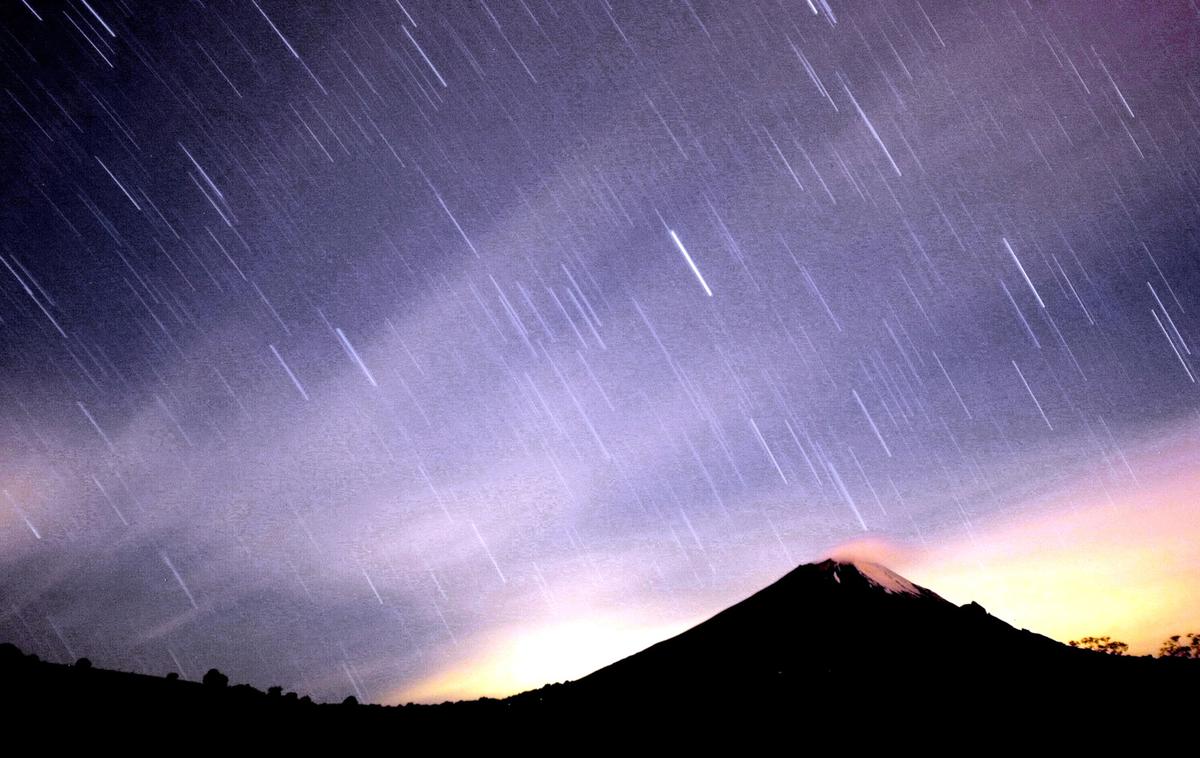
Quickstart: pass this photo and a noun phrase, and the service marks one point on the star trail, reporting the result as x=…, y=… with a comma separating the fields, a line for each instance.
x=337, y=340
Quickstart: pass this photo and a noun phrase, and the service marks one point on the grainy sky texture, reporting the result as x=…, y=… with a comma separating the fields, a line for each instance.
x=337, y=340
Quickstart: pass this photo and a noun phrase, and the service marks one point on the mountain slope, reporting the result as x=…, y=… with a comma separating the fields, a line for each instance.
x=834, y=629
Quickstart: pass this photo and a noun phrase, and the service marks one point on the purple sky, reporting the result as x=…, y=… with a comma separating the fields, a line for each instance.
x=337, y=342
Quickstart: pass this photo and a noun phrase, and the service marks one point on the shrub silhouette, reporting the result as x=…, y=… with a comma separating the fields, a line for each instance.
x=1106, y=645
x=1174, y=648
x=350, y=700
x=215, y=678
x=173, y=676
x=83, y=664
x=275, y=691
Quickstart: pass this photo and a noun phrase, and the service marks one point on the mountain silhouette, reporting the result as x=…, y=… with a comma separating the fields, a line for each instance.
x=828, y=646
x=831, y=639
x=837, y=625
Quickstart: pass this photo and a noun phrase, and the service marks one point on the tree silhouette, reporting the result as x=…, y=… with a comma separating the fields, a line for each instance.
x=1173, y=647
x=83, y=664
x=1106, y=645
x=215, y=678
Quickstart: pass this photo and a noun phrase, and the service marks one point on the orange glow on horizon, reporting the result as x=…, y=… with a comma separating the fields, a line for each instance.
x=528, y=657
x=1085, y=562
x=1129, y=568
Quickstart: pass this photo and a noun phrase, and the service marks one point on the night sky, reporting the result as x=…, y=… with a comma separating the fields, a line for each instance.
x=342, y=343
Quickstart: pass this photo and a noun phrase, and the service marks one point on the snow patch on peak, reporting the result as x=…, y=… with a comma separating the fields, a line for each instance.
x=885, y=578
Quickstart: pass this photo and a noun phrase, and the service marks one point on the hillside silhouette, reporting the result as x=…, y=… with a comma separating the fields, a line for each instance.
x=827, y=646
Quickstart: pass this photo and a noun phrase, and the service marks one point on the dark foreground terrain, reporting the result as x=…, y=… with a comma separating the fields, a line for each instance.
x=832, y=649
